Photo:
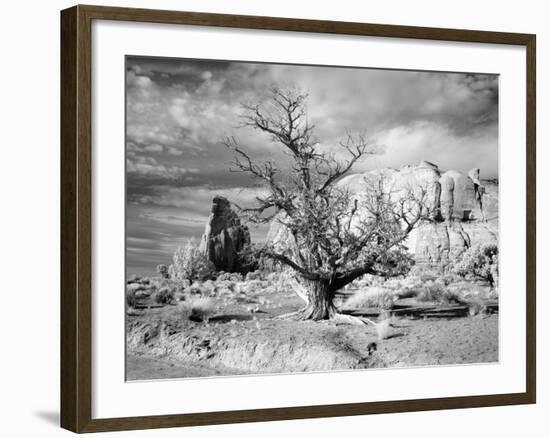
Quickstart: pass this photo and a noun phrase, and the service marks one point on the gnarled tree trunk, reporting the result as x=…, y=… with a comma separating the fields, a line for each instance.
x=320, y=301
x=320, y=305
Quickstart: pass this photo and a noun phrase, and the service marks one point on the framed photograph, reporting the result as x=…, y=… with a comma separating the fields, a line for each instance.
x=269, y=219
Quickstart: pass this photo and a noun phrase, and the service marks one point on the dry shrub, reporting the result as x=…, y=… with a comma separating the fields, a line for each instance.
x=270, y=290
x=437, y=291
x=471, y=291
x=162, y=270
x=209, y=287
x=431, y=290
x=201, y=308
x=227, y=287
x=229, y=276
x=194, y=289
x=179, y=296
x=131, y=300
x=132, y=279
x=134, y=287
x=144, y=281
x=252, y=287
x=203, y=289
x=478, y=262
x=412, y=282
x=189, y=263
x=377, y=297
x=164, y=296
x=384, y=329
x=493, y=294
x=254, y=275
x=275, y=277
x=476, y=308
x=282, y=281
x=365, y=281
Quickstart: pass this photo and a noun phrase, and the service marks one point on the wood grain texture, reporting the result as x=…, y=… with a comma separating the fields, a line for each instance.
x=531, y=220
x=76, y=219
x=69, y=329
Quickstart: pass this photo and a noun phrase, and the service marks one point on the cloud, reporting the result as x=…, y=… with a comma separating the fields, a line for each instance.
x=373, y=101
x=191, y=105
x=429, y=141
x=199, y=199
x=136, y=81
x=149, y=167
x=174, y=151
x=154, y=148
x=132, y=147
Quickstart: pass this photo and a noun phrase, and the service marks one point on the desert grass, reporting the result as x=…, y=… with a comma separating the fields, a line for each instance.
x=131, y=298
x=377, y=297
x=384, y=329
x=164, y=296
x=200, y=309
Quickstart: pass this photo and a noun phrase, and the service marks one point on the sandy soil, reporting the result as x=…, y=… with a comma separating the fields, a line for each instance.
x=242, y=337
x=146, y=368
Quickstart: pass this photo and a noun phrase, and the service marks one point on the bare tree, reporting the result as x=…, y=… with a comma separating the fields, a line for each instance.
x=336, y=237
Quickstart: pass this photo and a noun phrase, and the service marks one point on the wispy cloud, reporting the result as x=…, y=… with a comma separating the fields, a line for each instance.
x=199, y=198
x=149, y=167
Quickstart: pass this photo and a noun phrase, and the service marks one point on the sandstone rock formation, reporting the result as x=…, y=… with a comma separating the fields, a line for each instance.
x=224, y=236
x=279, y=235
x=464, y=209
x=466, y=219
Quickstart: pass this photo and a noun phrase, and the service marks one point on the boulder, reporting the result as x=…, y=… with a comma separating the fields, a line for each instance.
x=224, y=236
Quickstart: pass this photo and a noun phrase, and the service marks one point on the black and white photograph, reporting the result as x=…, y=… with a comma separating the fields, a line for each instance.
x=265, y=219
x=286, y=218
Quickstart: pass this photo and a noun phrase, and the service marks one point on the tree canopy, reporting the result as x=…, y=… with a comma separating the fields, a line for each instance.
x=337, y=237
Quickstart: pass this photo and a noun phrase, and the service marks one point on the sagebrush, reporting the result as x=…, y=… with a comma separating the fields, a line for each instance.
x=190, y=264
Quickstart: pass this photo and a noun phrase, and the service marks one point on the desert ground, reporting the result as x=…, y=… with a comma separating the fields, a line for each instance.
x=231, y=326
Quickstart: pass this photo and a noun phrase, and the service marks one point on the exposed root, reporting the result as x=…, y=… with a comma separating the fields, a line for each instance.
x=291, y=315
x=353, y=320
x=306, y=314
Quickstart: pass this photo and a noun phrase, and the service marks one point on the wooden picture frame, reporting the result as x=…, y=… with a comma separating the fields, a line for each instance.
x=76, y=218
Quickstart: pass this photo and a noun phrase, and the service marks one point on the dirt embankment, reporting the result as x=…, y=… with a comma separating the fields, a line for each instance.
x=249, y=346
x=167, y=348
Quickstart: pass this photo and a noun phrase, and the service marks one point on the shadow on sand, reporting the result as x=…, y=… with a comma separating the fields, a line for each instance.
x=228, y=318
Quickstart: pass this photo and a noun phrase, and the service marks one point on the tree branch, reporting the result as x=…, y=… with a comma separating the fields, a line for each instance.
x=287, y=261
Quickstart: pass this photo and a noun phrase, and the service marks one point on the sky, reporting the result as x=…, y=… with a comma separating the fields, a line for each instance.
x=178, y=112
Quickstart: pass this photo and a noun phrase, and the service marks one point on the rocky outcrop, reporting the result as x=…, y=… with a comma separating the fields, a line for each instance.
x=224, y=237
x=469, y=216
x=280, y=236
x=437, y=243
x=463, y=208
x=458, y=196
